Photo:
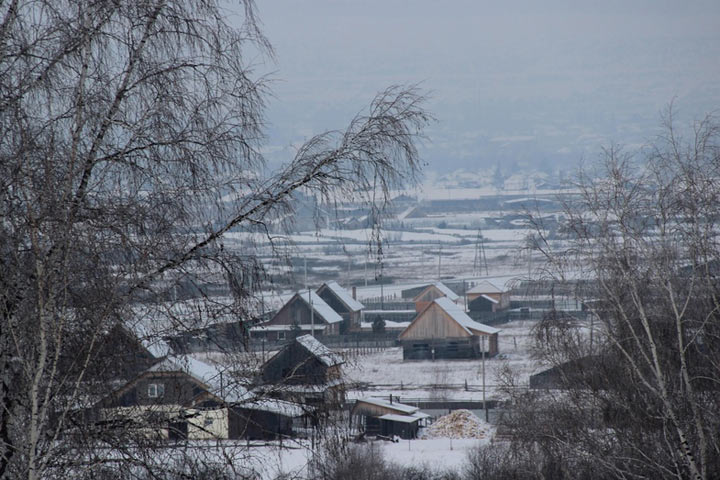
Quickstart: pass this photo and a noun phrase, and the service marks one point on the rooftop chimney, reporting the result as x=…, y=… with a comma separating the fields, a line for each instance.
x=354, y=293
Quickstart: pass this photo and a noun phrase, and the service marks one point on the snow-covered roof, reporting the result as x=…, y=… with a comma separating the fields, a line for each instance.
x=157, y=347
x=288, y=409
x=280, y=328
x=485, y=287
x=489, y=299
x=400, y=407
x=344, y=296
x=388, y=324
x=400, y=418
x=304, y=388
x=445, y=290
x=320, y=307
x=462, y=318
x=201, y=371
x=320, y=351
x=209, y=375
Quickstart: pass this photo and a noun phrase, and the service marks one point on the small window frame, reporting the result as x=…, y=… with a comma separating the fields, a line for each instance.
x=156, y=390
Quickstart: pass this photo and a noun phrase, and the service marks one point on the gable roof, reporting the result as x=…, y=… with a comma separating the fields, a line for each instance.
x=485, y=287
x=343, y=295
x=398, y=407
x=320, y=351
x=442, y=288
x=208, y=375
x=490, y=299
x=462, y=318
x=320, y=307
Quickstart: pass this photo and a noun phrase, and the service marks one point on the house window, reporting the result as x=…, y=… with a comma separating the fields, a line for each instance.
x=281, y=335
x=156, y=390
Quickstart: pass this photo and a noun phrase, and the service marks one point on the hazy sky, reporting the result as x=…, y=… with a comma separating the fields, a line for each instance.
x=516, y=83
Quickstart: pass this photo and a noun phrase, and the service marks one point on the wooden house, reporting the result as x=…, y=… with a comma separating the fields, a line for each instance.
x=376, y=416
x=491, y=291
x=433, y=291
x=121, y=355
x=184, y=398
x=304, y=313
x=304, y=371
x=591, y=371
x=444, y=330
x=344, y=304
x=179, y=397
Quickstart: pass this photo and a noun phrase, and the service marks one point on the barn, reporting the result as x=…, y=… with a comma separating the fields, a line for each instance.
x=444, y=330
x=343, y=303
x=376, y=416
x=305, y=312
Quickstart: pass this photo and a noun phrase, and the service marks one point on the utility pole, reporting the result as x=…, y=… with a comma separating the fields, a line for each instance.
x=439, y=260
x=312, y=314
x=465, y=294
x=365, y=276
x=482, y=338
x=480, y=255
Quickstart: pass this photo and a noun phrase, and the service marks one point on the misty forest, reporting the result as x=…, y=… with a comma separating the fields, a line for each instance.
x=359, y=240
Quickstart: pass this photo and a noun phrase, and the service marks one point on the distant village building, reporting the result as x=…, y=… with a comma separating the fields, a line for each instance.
x=343, y=303
x=444, y=330
x=488, y=292
x=305, y=371
x=431, y=292
x=304, y=313
x=375, y=416
x=484, y=303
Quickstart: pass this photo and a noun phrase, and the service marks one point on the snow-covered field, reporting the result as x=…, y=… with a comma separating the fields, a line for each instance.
x=386, y=373
x=438, y=454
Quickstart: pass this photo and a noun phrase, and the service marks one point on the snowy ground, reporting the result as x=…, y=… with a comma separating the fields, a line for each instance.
x=438, y=454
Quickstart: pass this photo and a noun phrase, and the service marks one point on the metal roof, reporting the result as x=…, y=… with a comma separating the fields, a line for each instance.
x=320, y=307
x=457, y=314
x=400, y=407
x=344, y=296
x=400, y=418
x=446, y=290
x=485, y=287
x=320, y=351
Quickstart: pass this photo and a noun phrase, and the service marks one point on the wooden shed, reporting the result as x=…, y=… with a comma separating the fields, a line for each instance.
x=343, y=303
x=376, y=416
x=483, y=303
x=432, y=292
x=444, y=330
x=266, y=419
x=304, y=312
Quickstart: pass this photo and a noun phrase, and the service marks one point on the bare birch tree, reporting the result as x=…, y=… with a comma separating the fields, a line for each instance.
x=643, y=400
x=125, y=127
